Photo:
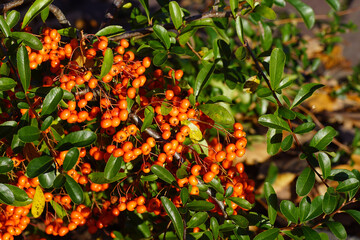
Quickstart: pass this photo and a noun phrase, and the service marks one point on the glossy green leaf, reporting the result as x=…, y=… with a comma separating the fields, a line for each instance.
x=200, y=205
x=241, y=202
x=6, y=195
x=68, y=32
x=47, y=179
x=251, y=3
x=198, y=219
x=304, y=208
x=277, y=63
x=148, y=119
x=175, y=14
x=315, y=208
x=305, y=127
x=325, y=164
x=273, y=121
x=71, y=158
x=337, y=229
x=160, y=58
x=163, y=174
x=234, y=5
x=329, y=203
x=38, y=166
x=74, y=190
x=174, y=215
x=240, y=220
x=216, y=184
x=273, y=141
x=29, y=39
x=287, y=143
x=107, y=63
x=289, y=210
x=204, y=75
x=145, y=4
x=310, y=233
x=47, y=123
x=34, y=10
x=59, y=210
x=4, y=27
x=184, y=195
x=45, y=14
x=29, y=134
x=305, y=182
x=323, y=138
x=52, y=100
x=239, y=29
x=217, y=113
x=305, y=92
x=271, y=200
x=6, y=164
x=214, y=226
x=270, y=234
x=23, y=66
x=348, y=185
x=12, y=18
x=81, y=138
x=229, y=191
x=266, y=37
x=112, y=167
x=354, y=213
x=99, y=178
x=60, y=181
x=335, y=4
x=265, y=12
x=163, y=35
x=109, y=31
x=306, y=12
x=21, y=197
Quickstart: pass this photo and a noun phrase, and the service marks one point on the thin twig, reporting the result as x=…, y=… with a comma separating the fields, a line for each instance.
x=111, y=12
x=8, y=6
x=60, y=16
x=193, y=50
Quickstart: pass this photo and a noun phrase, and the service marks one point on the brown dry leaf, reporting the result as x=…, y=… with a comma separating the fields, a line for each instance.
x=335, y=59
x=30, y=152
x=254, y=154
x=321, y=101
x=282, y=185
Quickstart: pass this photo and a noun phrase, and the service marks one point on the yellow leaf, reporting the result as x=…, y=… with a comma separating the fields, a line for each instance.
x=38, y=203
x=251, y=84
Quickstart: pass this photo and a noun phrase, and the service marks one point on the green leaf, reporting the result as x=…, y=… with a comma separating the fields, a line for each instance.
x=74, y=190
x=81, y=138
x=271, y=200
x=306, y=12
x=216, y=184
x=4, y=27
x=251, y=3
x=304, y=128
x=23, y=66
x=68, y=32
x=323, y=138
x=47, y=123
x=163, y=174
x=325, y=164
x=217, y=113
x=35, y=9
x=198, y=219
x=270, y=234
x=287, y=143
x=60, y=181
x=71, y=158
x=6, y=195
x=229, y=191
x=184, y=195
x=38, y=166
x=265, y=12
x=6, y=164
x=107, y=63
x=240, y=220
x=348, y=185
x=29, y=134
x=163, y=35
x=59, y=210
x=329, y=203
x=305, y=92
x=112, y=167
x=315, y=208
x=273, y=121
x=354, y=213
x=175, y=14
x=52, y=100
x=29, y=39
x=277, y=63
x=266, y=37
x=47, y=179
x=214, y=226
x=45, y=14
x=21, y=197
x=310, y=233
x=239, y=29
x=12, y=18
x=148, y=119
x=160, y=58
x=234, y=5
x=174, y=215
x=304, y=208
x=305, y=182
x=289, y=210
x=145, y=4
x=110, y=31
x=335, y=4
x=273, y=140
x=7, y=128
x=241, y=202
x=337, y=229
x=200, y=205
x=99, y=178
x=204, y=75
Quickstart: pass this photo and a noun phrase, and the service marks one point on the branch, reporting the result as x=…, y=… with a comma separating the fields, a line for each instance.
x=109, y=15
x=59, y=15
x=8, y=6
